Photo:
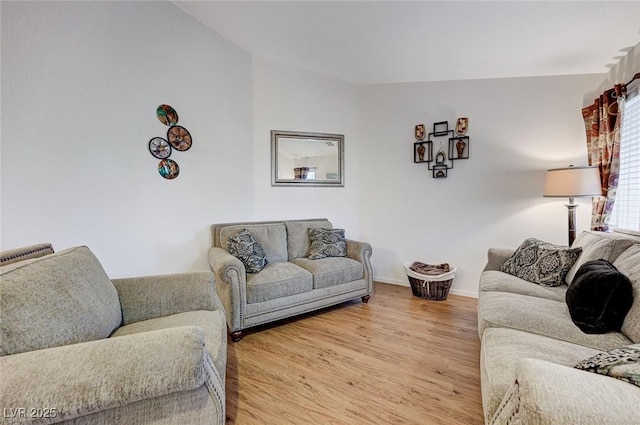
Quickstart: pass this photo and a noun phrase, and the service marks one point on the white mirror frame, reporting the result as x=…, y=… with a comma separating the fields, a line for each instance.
x=279, y=135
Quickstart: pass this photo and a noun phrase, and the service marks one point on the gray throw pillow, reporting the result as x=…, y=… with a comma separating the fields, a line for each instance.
x=244, y=247
x=541, y=262
x=327, y=243
x=622, y=363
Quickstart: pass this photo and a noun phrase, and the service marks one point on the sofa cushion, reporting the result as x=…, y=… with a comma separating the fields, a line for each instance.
x=541, y=262
x=331, y=271
x=272, y=237
x=628, y=263
x=213, y=323
x=497, y=281
x=77, y=381
x=325, y=243
x=599, y=297
x=298, y=235
x=278, y=280
x=244, y=247
x=539, y=316
x=622, y=363
x=500, y=351
x=278, y=308
x=598, y=245
x=59, y=299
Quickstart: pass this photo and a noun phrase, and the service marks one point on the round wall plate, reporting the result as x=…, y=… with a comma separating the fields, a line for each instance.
x=167, y=115
x=168, y=169
x=160, y=148
x=179, y=137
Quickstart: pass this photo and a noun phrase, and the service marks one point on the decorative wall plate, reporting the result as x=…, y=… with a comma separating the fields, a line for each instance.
x=159, y=148
x=462, y=125
x=167, y=115
x=179, y=137
x=168, y=169
x=420, y=132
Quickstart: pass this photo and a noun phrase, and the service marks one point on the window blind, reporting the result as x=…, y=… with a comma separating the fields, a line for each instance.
x=626, y=209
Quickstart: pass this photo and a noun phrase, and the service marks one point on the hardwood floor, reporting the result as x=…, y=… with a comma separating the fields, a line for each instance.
x=397, y=360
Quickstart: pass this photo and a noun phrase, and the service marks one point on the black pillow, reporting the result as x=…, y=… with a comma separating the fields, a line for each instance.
x=599, y=297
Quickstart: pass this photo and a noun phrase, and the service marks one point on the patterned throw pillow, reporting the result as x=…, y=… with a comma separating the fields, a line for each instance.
x=622, y=363
x=244, y=246
x=541, y=262
x=327, y=243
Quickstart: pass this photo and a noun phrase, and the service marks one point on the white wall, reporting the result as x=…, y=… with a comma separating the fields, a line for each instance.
x=81, y=82
x=622, y=72
x=518, y=128
x=287, y=98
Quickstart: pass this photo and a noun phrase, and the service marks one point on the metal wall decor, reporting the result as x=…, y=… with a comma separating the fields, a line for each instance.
x=178, y=138
x=458, y=146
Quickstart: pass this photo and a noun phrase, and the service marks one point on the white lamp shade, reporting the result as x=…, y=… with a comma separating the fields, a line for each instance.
x=572, y=182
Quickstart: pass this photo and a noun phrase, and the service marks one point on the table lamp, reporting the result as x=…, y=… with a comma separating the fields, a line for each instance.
x=572, y=182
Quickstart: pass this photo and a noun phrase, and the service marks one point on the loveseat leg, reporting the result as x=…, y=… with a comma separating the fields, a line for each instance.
x=236, y=336
x=365, y=299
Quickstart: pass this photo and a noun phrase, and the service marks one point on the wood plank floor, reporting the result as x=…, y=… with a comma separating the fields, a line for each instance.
x=397, y=360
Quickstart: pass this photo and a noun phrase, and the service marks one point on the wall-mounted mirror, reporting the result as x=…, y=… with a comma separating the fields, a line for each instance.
x=306, y=159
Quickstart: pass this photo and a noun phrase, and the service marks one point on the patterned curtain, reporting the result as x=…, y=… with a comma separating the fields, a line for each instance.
x=602, y=125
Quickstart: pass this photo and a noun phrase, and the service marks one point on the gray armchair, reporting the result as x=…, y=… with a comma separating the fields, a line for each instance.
x=79, y=348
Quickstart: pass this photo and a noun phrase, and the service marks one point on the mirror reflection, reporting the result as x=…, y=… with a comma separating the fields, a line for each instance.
x=307, y=159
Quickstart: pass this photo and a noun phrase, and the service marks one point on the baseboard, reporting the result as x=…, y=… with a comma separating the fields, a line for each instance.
x=453, y=291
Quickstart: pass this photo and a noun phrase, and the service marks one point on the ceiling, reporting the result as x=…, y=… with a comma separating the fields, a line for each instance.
x=370, y=42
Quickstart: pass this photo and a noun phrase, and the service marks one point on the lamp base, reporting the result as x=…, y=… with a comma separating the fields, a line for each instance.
x=571, y=210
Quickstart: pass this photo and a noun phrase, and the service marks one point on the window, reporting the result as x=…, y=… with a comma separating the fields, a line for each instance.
x=626, y=209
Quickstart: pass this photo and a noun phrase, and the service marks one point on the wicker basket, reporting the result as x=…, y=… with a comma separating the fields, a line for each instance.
x=434, y=288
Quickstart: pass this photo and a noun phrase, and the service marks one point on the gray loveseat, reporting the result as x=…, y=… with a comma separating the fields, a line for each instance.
x=77, y=347
x=290, y=284
x=530, y=345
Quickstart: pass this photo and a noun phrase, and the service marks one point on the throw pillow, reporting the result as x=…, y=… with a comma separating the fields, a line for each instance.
x=621, y=363
x=327, y=243
x=244, y=247
x=599, y=297
x=541, y=262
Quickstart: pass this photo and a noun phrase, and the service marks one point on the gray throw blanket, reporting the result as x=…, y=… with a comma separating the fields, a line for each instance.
x=430, y=269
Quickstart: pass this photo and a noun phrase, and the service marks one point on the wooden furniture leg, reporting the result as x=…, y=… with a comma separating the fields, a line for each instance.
x=236, y=336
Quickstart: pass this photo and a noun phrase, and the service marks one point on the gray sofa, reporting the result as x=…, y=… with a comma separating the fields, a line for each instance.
x=290, y=284
x=529, y=344
x=77, y=347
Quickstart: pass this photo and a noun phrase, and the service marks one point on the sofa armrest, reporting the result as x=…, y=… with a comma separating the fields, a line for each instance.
x=361, y=251
x=549, y=393
x=149, y=297
x=496, y=257
x=62, y=383
x=231, y=285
